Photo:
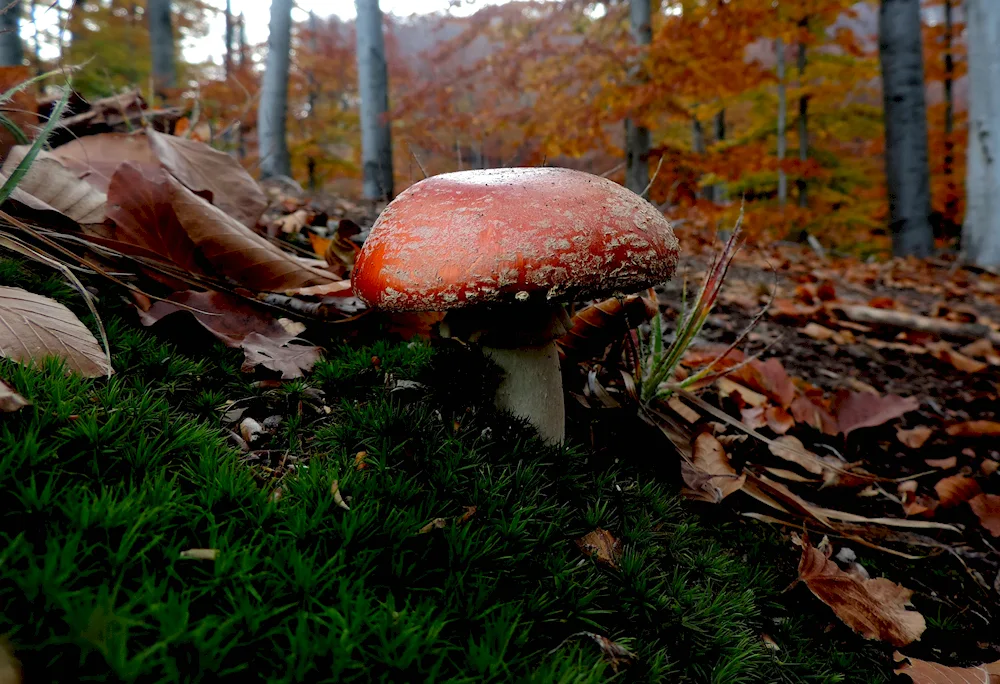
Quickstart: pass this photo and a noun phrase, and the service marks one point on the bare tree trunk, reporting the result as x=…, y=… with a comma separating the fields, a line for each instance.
x=36, y=45
x=373, y=85
x=313, y=93
x=981, y=232
x=803, y=121
x=719, y=191
x=161, y=42
x=951, y=203
x=11, y=50
x=271, y=135
x=906, y=165
x=230, y=29
x=242, y=36
x=698, y=146
x=637, y=139
x=779, y=48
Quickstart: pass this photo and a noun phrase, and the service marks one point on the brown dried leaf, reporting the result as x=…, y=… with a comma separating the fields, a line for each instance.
x=683, y=410
x=926, y=672
x=855, y=410
x=617, y=655
x=200, y=554
x=10, y=667
x=874, y=608
x=598, y=325
x=33, y=327
x=338, y=498
x=601, y=546
x=10, y=400
x=957, y=489
x=944, y=352
x=987, y=509
x=806, y=411
x=818, y=332
x=942, y=463
x=56, y=186
x=791, y=449
x=779, y=420
x=710, y=476
x=743, y=396
x=769, y=378
x=914, y=437
x=435, y=524
x=975, y=428
x=754, y=417
x=203, y=169
x=989, y=466
x=290, y=357
x=94, y=158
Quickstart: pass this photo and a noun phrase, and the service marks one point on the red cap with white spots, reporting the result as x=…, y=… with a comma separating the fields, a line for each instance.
x=508, y=235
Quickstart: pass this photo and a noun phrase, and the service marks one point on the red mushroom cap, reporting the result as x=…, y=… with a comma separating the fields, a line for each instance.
x=507, y=235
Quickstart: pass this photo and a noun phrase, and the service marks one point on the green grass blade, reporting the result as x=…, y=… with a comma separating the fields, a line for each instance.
x=36, y=147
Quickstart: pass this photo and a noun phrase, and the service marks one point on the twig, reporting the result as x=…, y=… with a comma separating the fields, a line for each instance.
x=617, y=167
x=417, y=159
x=909, y=321
x=652, y=180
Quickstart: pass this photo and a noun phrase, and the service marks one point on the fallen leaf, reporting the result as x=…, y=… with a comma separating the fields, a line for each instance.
x=926, y=672
x=10, y=667
x=874, y=608
x=435, y=524
x=361, y=460
x=914, y=437
x=913, y=503
x=250, y=430
x=200, y=554
x=987, y=509
x=983, y=349
x=769, y=378
x=595, y=327
x=855, y=410
x=710, y=476
x=601, y=546
x=228, y=318
x=617, y=655
x=779, y=420
x=942, y=463
x=791, y=449
x=294, y=223
x=56, y=186
x=337, y=496
x=203, y=169
x=683, y=410
x=466, y=516
x=740, y=394
x=33, y=327
x=974, y=428
x=10, y=400
x=989, y=466
x=754, y=417
x=807, y=412
x=944, y=352
x=290, y=357
x=95, y=158
x=818, y=332
x=956, y=489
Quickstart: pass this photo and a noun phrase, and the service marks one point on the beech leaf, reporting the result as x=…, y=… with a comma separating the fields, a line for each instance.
x=56, y=186
x=10, y=400
x=987, y=509
x=290, y=357
x=955, y=490
x=33, y=327
x=95, y=158
x=855, y=410
x=914, y=437
x=709, y=476
x=602, y=546
x=975, y=428
x=926, y=672
x=874, y=608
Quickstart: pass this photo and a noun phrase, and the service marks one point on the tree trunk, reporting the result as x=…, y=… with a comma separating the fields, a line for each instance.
x=779, y=48
x=271, y=137
x=637, y=139
x=803, y=123
x=951, y=202
x=719, y=191
x=698, y=147
x=11, y=51
x=36, y=46
x=230, y=28
x=313, y=94
x=161, y=42
x=906, y=165
x=373, y=85
x=981, y=232
x=241, y=54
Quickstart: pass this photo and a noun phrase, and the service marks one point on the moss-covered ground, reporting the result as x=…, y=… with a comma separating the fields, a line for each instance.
x=104, y=483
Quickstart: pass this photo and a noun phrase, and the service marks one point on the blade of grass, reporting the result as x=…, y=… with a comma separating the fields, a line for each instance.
x=11, y=183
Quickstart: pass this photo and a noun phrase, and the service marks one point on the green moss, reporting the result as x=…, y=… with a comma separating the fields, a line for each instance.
x=106, y=482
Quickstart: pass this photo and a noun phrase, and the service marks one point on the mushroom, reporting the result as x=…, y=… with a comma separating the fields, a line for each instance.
x=501, y=250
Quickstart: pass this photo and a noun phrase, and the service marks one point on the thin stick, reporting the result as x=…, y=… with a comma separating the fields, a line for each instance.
x=416, y=159
x=652, y=180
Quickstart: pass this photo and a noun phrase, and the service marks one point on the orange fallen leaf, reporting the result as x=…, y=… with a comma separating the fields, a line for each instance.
x=944, y=352
x=710, y=477
x=818, y=332
x=975, y=428
x=913, y=503
x=602, y=546
x=807, y=412
x=743, y=396
x=956, y=489
x=753, y=417
x=769, y=378
x=926, y=672
x=874, y=608
x=779, y=420
x=989, y=466
x=914, y=437
x=987, y=509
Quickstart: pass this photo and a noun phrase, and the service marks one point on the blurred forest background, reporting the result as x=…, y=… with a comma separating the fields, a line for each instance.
x=779, y=103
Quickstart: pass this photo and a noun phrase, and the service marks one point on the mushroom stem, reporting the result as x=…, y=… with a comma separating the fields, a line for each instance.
x=532, y=387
